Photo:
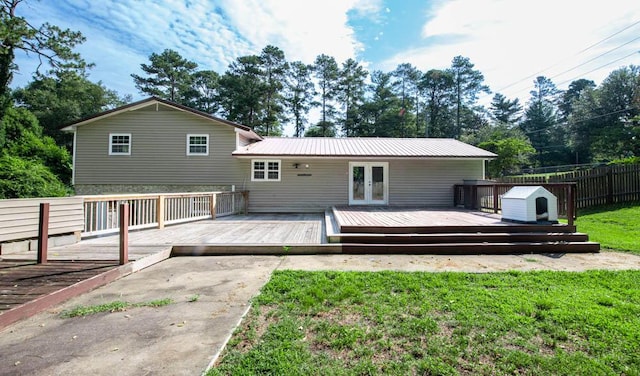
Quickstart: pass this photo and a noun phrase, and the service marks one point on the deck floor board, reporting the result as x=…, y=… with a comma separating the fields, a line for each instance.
x=413, y=217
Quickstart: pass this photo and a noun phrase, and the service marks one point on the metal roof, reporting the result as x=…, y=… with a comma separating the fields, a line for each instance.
x=363, y=147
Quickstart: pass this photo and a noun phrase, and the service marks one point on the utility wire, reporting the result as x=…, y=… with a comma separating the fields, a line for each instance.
x=579, y=121
x=595, y=69
x=594, y=58
x=559, y=62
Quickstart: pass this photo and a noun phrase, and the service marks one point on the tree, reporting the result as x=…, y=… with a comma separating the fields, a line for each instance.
x=540, y=120
x=513, y=153
x=467, y=85
x=437, y=88
x=65, y=97
x=169, y=76
x=203, y=92
x=576, y=88
x=350, y=93
x=299, y=93
x=406, y=87
x=604, y=121
x=241, y=92
x=32, y=165
x=326, y=73
x=23, y=178
x=381, y=113
x=274, y=69
x=505, y=111
x=49, y=43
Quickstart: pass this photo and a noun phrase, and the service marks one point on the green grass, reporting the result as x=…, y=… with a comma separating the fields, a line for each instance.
x=117, y=306
x=615, y=227
x=348, y=323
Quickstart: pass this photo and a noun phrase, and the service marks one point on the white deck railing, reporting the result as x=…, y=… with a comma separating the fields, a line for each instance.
x=101, y=214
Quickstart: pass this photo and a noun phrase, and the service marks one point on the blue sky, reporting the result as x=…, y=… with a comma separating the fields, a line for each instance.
x=509, y=41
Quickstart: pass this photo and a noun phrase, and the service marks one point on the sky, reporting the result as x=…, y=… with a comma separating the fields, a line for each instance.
x=509, y=41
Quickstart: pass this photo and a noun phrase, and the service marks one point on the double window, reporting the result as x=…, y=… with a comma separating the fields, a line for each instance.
x=198, y=144
x=265, y=170
x=119, y=143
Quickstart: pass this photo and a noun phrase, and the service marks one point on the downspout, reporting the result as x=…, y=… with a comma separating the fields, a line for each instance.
x=73, y=158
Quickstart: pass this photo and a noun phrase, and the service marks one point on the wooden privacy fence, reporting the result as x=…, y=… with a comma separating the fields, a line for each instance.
x=101, y=215
x=597, y=186
x=488, y=196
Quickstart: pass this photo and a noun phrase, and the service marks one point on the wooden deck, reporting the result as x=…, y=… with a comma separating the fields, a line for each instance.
x=383, y=229
x=385, y=216
x=236, y=230
x=385, y=219
x=21, y=282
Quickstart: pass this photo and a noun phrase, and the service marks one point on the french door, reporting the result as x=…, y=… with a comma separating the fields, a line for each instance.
x=368, y=183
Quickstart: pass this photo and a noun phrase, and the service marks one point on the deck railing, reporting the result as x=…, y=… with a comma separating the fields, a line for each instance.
x=488, y=197
x=101, y=214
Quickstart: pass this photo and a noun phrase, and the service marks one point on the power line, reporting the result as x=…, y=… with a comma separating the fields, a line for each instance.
x=580, y=121
x=602, y=66
x=610, y=36
x=561, y=61
x=594, y=58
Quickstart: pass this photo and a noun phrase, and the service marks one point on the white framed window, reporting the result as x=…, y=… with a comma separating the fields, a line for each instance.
x=198, y=144
x=265, y=170
x=119, y=143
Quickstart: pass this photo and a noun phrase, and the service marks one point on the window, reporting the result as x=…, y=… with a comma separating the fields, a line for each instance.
x=265, y=170
x=197, y=144
x=119, y=143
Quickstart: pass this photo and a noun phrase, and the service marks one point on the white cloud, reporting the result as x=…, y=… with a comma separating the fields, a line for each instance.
x=510, y=40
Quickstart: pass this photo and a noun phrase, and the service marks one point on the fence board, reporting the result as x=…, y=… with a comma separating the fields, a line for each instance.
x=596, y=186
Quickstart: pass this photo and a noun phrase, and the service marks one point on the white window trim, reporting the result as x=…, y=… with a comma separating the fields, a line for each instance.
x=189, y=144
x=266, y=171
x=111, y=135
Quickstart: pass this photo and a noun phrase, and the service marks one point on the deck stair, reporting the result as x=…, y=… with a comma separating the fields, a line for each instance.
x=485, y=238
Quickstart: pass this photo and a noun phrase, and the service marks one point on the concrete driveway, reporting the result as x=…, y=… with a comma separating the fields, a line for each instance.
x=183, y=338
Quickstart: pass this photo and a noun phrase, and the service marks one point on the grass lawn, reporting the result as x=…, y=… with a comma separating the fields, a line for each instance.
x=615, y=227
x=348, y=323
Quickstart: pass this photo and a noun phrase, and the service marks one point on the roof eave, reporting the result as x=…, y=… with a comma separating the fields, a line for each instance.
x=351, y=156
x=149, y=101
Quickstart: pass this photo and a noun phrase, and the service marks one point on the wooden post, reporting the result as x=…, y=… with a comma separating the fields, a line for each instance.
x=609, y=185
x=245, y=197
x=212, y=205
x=570, y=204
x=160, y=212
x=43, y=233
x=495, y=198
x=124, y=234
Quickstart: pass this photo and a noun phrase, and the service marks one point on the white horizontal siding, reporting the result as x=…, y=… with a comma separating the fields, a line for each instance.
x=411, y=183
x=327, y=185
x=158, y=151
x=19, y=218
x=429, y=182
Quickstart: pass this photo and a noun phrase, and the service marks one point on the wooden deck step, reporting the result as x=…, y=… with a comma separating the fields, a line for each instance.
x=550, y=228
x=439, y=238
x=473, y=248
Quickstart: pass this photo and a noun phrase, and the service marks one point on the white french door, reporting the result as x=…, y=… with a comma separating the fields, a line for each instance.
x=368, y=183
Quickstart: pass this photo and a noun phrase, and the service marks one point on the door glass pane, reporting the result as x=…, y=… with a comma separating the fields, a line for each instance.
x=358, y=183
x=377, y=180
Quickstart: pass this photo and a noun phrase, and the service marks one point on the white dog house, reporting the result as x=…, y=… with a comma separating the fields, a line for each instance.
x=529, y=204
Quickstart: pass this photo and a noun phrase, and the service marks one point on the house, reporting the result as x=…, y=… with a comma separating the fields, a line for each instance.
x=158, y=146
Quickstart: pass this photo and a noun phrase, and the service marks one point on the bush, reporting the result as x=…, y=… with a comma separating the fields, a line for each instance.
x=22, y=178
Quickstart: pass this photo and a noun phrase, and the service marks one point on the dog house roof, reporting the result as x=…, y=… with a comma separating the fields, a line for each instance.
x=524, y=192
